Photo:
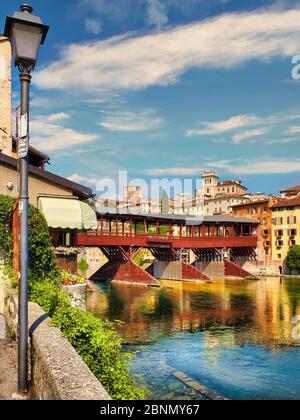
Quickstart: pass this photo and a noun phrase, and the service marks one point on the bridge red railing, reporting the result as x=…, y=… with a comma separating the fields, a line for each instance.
x=95, y=238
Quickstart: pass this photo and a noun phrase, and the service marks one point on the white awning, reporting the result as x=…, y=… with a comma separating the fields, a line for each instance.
x=89, y=217
x=67, y=213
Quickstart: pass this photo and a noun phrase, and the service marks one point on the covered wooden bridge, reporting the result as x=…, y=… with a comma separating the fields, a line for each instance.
x=221, y=241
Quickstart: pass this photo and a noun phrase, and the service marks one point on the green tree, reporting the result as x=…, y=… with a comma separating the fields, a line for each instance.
x=165, y=203
x=293, y=259
x=83, y=267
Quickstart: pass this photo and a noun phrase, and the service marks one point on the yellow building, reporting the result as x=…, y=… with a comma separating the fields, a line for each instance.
x=285, y=230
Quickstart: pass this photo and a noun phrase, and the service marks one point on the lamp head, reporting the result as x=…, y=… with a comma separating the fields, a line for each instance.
x=26, y=33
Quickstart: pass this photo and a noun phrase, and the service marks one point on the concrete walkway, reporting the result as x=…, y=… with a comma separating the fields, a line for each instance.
x=8, y=366
x=8, y=370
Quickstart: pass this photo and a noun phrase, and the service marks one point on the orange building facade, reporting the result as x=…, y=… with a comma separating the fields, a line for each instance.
x=261, y=211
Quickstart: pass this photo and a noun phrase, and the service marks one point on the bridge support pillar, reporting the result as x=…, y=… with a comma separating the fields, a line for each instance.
x=169, y=266
x=216, y=263
x=121, y=268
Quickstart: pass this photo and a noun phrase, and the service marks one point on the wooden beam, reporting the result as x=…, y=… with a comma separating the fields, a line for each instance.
x=15, y=234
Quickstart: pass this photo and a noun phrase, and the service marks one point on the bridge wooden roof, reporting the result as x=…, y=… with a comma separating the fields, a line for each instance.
x=177, y=219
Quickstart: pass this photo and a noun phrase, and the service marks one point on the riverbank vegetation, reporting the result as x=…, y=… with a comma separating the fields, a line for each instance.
x=293, y=259
x=95, y=340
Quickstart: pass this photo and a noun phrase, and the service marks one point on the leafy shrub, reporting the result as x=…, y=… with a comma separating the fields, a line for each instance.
x=139, y=259
x=6, y=242
x=95, y=340
x=69, y=279
x=42, y=261
x=83, y=266
x=293, y=259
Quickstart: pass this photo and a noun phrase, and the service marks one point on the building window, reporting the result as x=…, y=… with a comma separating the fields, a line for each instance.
x=292, y=232
x=279, y=232
x=292, y=220
x=279, y=256
x=65, y=238
x=278, y=221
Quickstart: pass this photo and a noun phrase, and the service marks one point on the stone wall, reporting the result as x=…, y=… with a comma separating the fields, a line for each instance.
x=5, y=97
x=57, y=371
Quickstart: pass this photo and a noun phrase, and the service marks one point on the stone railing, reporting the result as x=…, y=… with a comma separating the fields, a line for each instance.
x=57, y=371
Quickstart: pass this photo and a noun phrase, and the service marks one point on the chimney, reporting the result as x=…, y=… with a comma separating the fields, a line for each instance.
x=5, y=97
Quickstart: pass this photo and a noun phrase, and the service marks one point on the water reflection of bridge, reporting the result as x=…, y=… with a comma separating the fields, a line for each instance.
x=229, y=312
x=219, y=241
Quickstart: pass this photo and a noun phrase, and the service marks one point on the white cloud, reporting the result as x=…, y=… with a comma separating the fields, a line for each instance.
x=60, y=116
x=93, y=26
x=188, y=171
x=266, y=166
x=238, y=138
x=219, y=127
x=294, y=130
x=49, y=136
x=131, y=62
x=157, y=13
x=84, y=180
x=263, y=124
x=131, y=121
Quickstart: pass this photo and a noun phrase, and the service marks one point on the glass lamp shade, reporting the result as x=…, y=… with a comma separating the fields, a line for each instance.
x=26, y=33
x=25, y=41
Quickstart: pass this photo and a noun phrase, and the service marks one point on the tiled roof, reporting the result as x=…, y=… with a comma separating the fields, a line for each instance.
x=231, y=182
x=294, y=189
x=251, y=203
x=226, y=197
x=287, y=202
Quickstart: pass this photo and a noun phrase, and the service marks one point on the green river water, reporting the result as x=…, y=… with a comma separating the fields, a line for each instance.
x=237, y=339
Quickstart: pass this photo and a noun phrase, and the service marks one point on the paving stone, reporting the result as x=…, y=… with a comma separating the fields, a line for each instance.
x=2, y=328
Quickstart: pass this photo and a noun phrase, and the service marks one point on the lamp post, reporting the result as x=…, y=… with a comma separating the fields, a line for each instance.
x=26, y=33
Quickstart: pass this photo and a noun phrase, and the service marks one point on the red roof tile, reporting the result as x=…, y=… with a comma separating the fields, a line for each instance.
x=287, y=202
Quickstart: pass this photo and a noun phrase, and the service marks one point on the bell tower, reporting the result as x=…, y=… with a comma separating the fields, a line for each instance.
x=210, y=183
x=5, y=97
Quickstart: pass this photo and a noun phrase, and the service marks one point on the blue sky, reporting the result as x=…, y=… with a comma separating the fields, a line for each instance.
x=168, y=88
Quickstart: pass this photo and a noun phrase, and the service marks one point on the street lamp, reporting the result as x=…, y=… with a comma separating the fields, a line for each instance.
x=26, y=33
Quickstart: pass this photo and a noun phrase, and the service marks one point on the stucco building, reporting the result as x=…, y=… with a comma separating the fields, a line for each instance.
x=291, y=192
x=213, y=187
x=220, y=196
x=285, y=230
x=63, y=202
x=261, y=211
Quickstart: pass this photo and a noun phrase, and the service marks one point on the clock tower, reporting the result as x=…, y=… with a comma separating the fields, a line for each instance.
x=5, y=97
